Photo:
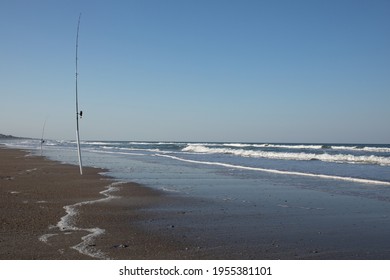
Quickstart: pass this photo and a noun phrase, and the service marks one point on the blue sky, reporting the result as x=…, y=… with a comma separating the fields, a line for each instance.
x=204, y=70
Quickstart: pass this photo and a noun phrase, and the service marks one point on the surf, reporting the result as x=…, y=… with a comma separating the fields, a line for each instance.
x=284, y=155
x=281, y=172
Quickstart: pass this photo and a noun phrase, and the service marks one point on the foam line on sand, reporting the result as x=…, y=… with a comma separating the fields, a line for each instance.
x=67, y=225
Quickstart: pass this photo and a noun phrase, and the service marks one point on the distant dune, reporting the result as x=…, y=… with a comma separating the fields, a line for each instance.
x=2, y=136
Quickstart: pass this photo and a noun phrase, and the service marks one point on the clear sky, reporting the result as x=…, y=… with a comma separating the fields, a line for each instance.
x=197, y=70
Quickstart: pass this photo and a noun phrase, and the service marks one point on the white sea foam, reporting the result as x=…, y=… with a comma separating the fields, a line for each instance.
x=67, y=224
x=283, y=172
x=282, y=146
x=108, y=147
x=265, y=145
x=156, y=143
x=94, y=143
x=305, y=147
x=377, y=149
x=321, y=147
x=45, y=238
x=238, y=145
x=345, y=158
x=139, y=143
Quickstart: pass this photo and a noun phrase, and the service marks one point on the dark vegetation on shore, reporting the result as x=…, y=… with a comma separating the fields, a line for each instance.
x=3, y=136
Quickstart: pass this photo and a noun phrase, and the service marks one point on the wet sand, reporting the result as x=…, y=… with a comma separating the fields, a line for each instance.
x=35, y=224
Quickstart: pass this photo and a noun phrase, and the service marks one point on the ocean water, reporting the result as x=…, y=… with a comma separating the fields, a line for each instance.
x=258, y=198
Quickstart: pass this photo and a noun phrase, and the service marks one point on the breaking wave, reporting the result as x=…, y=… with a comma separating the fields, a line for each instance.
x=327, y=157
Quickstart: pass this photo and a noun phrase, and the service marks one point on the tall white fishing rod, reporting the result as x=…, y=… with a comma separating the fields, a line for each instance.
x=78, y=114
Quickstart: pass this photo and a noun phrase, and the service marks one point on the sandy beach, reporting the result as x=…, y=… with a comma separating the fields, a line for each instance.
x=48, y=211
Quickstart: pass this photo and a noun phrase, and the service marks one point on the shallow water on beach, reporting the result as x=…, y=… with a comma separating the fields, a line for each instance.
x=278, y=196
x=172, y=165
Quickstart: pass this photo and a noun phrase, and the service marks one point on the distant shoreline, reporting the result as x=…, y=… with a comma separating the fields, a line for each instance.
x=4, y=136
